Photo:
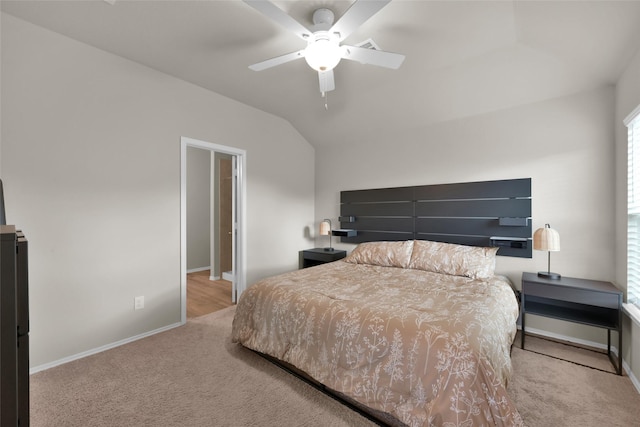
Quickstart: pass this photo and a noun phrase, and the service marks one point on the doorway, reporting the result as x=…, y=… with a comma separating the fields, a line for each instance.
x=227, y=234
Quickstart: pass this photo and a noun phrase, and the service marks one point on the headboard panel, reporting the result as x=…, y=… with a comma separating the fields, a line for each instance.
x=487, y=213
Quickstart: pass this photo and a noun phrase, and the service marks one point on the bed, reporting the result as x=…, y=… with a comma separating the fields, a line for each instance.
x=419, y=331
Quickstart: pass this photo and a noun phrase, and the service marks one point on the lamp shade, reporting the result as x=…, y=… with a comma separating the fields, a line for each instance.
x=325, y=228
x=546, y=239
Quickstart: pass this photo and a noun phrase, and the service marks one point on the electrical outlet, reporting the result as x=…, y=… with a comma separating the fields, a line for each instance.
x=138, y=303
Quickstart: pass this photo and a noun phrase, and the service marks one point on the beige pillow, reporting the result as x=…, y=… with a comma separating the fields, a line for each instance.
x=385, y=254
x=456, y=260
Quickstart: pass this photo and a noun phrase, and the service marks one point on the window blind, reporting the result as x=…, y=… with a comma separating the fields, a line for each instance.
x=633, y=207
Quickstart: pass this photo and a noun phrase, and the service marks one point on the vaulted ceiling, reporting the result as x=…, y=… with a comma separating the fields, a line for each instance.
x=463, y=58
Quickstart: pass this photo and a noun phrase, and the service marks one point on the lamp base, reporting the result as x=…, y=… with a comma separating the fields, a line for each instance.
x=549, y=275
x=329, y=249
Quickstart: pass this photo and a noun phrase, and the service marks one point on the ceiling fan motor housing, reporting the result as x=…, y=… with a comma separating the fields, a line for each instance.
x=323, y=19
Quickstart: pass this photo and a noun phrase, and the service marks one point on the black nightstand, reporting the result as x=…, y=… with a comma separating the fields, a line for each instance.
x=317, y=256
x=590, y=302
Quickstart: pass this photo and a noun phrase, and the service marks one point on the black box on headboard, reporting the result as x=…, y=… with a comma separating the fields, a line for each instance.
x=485, y=213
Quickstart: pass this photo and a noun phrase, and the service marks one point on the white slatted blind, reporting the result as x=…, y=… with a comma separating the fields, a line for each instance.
x=633, y=208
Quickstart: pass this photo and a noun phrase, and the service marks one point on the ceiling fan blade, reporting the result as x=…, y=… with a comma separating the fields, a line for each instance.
x=373, y=57
x=277, y=60
x=356, y=15
x=327, y=83
x=280, y=16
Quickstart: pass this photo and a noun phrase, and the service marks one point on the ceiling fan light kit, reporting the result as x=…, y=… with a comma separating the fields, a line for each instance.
x=324, y=51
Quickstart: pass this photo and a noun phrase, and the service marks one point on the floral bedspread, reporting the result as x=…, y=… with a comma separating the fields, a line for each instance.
x=430, y=349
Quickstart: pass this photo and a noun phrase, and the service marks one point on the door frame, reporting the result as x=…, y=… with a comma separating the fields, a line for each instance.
x=240, y=268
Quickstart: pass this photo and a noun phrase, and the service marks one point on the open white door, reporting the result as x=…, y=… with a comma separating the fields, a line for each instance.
x=238, y=218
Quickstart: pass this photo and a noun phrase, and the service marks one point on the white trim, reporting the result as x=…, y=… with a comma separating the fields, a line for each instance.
x=632, y=311
x=213, y=232
x=241, y=236
x=632, y=377
x=100, y=349
x=635, y=113
x=195, y=270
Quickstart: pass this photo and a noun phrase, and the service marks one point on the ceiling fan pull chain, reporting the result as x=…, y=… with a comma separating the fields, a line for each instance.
x=326, y=100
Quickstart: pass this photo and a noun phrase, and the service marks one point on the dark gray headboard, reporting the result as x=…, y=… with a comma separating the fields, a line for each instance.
x=487, y=213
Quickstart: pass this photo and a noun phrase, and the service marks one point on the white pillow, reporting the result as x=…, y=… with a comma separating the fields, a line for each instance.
x=386, y=254
x=457, y=260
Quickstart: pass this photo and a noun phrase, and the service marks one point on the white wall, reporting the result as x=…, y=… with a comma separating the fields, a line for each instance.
x=199, y=184
x=565, y=145
x=91, y=165
x=627, y=99
x=0, y=102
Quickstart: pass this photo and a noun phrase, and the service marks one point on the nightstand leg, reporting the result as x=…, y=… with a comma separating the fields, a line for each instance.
x=617, y=366
x=620, y=351
x=522, y=331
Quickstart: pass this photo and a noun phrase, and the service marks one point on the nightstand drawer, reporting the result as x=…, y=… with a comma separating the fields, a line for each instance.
x=571, y=294
x=317, y=256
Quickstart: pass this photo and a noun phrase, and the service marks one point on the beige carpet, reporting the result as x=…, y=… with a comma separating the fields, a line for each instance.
x=552, y=392
x=194, y=376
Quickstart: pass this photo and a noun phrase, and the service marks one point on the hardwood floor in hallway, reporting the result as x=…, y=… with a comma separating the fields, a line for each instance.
x=205, y=296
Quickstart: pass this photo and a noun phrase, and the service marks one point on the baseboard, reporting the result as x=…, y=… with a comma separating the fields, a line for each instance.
x=195, y=270
x=214, y=278
x=632, y=377
x=535, y=331
x=100, y=349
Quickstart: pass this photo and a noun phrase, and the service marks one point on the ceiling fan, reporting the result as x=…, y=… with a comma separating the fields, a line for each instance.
x=324, y=51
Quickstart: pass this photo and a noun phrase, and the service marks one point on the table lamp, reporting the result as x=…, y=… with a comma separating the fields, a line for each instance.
x=325, y=230
x=547, y=239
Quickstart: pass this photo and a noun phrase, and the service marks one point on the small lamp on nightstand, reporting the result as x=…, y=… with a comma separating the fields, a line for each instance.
x=325, y=230
x=547, y=239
